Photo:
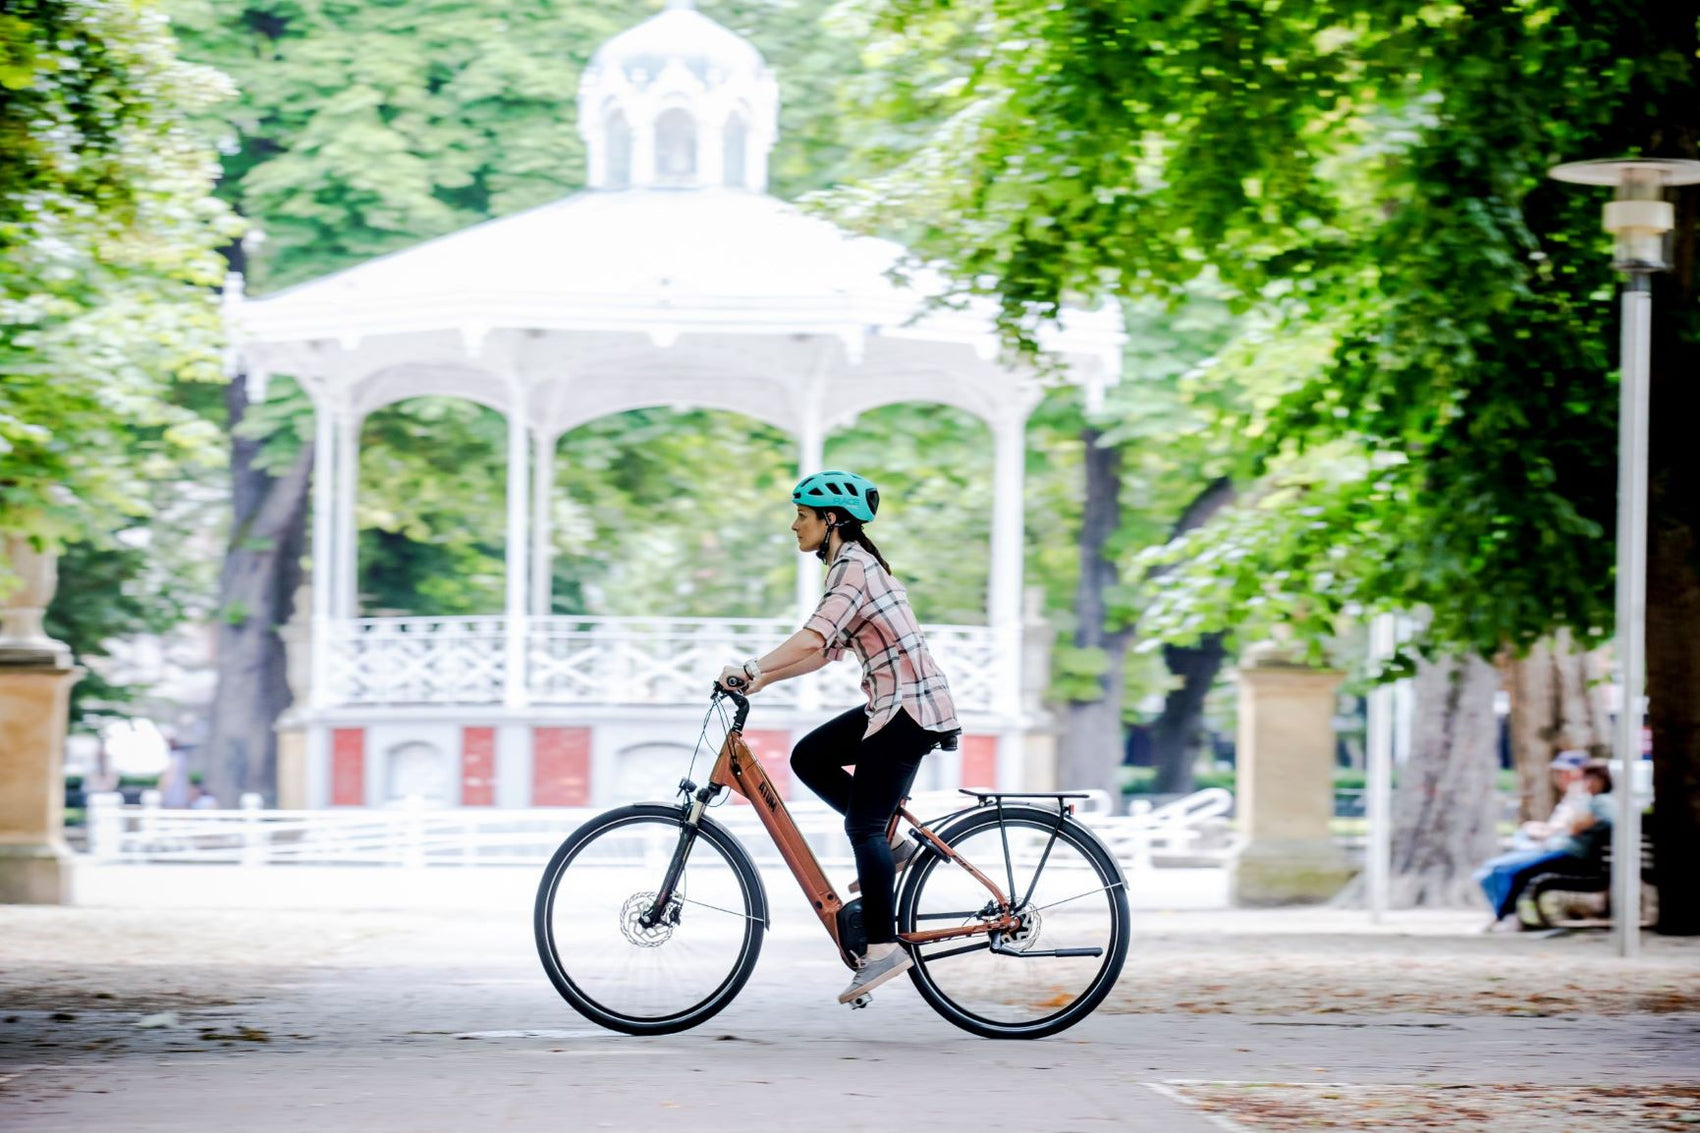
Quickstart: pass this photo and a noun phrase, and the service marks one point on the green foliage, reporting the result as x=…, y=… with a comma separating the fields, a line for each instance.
x=1430, y=318
x=933, y=465
x=106, y=262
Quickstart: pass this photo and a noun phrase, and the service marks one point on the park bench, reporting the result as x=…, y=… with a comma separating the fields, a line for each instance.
x=1545, y=900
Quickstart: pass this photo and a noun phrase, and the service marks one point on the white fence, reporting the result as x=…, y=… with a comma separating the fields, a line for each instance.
x=414, y=835
x=574, y=660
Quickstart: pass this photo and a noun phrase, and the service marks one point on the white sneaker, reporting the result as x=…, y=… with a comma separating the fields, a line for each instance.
x=903, y=853
x=871, y=973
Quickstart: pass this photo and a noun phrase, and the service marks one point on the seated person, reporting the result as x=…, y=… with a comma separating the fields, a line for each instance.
x=1581, y=837
x=1566, y=771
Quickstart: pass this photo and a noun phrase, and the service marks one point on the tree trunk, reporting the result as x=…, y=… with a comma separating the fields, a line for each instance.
x=1445, y=806
x=1090, y=748
x=1556, y=704
x=1176, y=736
x=1673, y=542
x=262, y=568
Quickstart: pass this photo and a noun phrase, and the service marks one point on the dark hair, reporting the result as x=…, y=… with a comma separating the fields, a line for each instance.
x=850, y=530
x=1599, y=772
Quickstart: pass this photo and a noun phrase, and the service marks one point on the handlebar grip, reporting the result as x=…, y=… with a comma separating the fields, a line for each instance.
x=736, y=683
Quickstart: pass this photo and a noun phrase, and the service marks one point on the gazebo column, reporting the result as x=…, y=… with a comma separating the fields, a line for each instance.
x=345, y=601
x=643, y=150
x=811, y=445
x=519, y=541
x=542, y=492
x=324, y=556
x=1004, y=592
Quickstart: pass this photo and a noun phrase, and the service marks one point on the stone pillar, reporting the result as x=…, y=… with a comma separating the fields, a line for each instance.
x=1038, y=637
x=1285, y=782
x=36, y=676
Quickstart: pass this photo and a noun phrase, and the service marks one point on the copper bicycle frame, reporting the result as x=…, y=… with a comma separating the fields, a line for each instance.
x=738, y=770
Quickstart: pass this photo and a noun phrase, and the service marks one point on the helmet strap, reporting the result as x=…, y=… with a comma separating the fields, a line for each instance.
x=823, y=551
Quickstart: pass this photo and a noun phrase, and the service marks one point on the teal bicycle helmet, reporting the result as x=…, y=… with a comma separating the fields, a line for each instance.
x=847, y=492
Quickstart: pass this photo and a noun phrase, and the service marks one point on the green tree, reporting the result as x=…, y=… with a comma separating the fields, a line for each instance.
x=1376, y=172
x=107, y=267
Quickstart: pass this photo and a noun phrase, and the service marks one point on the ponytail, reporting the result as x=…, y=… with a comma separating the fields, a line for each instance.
x=861, y=536
x=851, y=531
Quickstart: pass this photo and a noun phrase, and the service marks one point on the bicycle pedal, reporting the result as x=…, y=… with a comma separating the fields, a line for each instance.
x=860, y=1001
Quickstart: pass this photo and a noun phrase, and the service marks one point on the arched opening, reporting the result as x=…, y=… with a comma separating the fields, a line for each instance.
x=733, y=144
x=618, y=135
x=673, y=513
x=417, y=772
x=934, y=466
x=675, y=148
x=431, y=509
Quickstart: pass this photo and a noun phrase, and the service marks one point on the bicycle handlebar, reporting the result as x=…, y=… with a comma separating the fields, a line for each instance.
x=730, y=692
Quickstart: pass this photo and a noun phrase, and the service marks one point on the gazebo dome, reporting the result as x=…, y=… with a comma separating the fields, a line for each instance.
x=678, y=101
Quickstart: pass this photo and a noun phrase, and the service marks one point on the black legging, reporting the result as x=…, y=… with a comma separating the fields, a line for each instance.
x=886, y=763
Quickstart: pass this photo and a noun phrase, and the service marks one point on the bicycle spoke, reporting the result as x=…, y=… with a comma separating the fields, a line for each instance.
x=1078, y=896
x=718, y=909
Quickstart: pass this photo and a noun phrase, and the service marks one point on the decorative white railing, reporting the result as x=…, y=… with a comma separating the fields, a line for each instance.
x=605, y=661
x=414, y=835
x=417, y=661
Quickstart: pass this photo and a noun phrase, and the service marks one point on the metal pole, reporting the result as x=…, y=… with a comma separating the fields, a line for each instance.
x=1631, y=606
x=1378, y=778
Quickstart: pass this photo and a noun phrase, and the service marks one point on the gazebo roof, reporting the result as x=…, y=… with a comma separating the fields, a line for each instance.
x=643, y=282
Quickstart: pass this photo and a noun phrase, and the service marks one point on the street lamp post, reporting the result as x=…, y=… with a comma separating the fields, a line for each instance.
x=1638, y=217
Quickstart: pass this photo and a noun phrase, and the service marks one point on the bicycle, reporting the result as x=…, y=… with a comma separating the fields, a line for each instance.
x=649, y=917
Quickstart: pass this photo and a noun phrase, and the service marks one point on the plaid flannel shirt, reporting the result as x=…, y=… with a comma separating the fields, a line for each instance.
x=867, y=611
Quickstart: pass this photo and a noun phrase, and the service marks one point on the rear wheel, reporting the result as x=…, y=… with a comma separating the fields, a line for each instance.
x=1069, y=897
x=620, y=961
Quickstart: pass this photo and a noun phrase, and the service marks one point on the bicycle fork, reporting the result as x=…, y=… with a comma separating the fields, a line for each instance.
x=688, y=831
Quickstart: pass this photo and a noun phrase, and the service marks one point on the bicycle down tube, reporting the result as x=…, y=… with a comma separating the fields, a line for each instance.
x=738, y=770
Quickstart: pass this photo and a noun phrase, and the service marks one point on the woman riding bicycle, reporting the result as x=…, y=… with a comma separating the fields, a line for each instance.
x=909, y=710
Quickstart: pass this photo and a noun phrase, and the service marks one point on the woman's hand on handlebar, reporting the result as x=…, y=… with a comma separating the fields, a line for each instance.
x=733, y=679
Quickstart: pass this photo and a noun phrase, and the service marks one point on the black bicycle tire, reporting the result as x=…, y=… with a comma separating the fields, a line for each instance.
x=755, y=914
x=1082, y=838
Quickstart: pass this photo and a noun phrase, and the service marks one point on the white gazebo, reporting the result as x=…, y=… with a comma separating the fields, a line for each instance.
x=672, y=280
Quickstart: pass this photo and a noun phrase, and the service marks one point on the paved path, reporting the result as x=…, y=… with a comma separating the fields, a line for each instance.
x=421, y=1021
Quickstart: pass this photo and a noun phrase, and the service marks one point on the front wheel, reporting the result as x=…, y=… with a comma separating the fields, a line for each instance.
x=1067, y=951
x=620, y=961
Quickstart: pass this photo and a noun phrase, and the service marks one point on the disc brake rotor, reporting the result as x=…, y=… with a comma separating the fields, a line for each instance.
x=648, y=936
x=1026, y=932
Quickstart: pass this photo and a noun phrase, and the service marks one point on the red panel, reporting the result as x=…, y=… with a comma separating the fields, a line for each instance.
x=560, y=767
x=348, y=766
x=773, y=748
x=477, y=766
x=980, y=761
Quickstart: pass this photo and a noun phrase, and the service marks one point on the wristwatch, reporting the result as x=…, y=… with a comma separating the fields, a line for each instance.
x=752, y=670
